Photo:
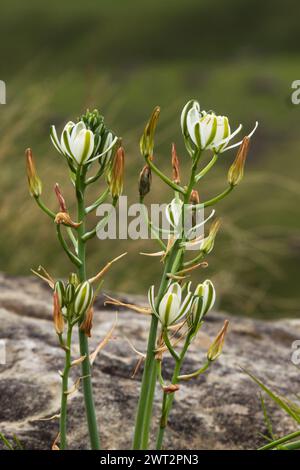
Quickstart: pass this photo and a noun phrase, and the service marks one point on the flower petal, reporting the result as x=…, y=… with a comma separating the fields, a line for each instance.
x=76, y=129
x=183, y=118
x=105, y=151
x=82, y=146
x=54, y=140
x=193, y=117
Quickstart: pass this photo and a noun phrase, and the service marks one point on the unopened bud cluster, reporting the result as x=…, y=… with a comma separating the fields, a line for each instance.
x=71, y=301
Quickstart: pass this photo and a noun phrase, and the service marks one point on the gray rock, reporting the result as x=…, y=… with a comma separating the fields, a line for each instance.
x=219, y=410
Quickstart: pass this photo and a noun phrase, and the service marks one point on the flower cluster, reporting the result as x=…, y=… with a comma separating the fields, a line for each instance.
x=207, y=131
x=85, y=141
x=74, y=301
x=179, y=302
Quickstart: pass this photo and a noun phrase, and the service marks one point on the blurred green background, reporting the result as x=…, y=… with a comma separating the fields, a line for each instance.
x=237, y=57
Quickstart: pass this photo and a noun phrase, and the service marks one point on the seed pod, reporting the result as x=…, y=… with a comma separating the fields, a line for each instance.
x=175, y=165
x=87, y=323
x=216, y=347
x=59, y=288
x=147, y=139
x=194, y=197
x=60, y=198
x=34, y=182
x=83, y=298
x=58, y=318
x=115, y=177
x=236, y=171
x=145, y=181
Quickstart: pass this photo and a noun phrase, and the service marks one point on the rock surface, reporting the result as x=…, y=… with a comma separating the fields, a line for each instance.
x=219, y=410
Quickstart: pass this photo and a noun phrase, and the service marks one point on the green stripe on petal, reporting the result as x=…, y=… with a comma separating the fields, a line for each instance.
x=213, y=131
x=88, y=146
x=197, y=134
x=54, y=139
x=66, y=141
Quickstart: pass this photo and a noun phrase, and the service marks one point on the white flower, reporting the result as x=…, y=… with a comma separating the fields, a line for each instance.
x=78, y=143
x=204, y=130
x=172, y=306
x=174, y=212
x=205, y=296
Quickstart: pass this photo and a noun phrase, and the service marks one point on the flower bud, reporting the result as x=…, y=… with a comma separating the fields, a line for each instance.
x=172, y=306
x=93, y=121
x=194, y=197
x=107, y=149
x=116, y=174
x=57, y=315
x=64, y=218
x=147, y=139
x=175, y=165
x=236, y=171
x=59, y=288
x=169, y=308
x=60, y=198
x=145, y=181
x=83, y=298
x=87, y=323
x=70, y=294
x=208, y=242
x=216, y=347
x=204, y=299
x=73, y=279
x=34, y=182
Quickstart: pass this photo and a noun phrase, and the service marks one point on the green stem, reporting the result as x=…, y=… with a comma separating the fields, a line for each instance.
x=174, y=259
x=75, y=259
x=145, y=405
x=169, y=345
x=282, y=440
x=83, y=341
x=194, y=260
x=164, y=178
x=196, y=373
x=166, y=406
x=98, y=202
x=291, y=446
x=167, y=398
x=220, y=196
x=45, y=208
x=152, y=229
x=64, y=390
x=88, y=235
x=206, y=168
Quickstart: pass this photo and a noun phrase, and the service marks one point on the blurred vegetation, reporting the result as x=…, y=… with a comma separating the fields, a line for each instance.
x=124, y=57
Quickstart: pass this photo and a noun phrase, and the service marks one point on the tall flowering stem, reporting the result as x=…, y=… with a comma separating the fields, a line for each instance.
x=83, y=340
x=177, y=310
x=81, y=144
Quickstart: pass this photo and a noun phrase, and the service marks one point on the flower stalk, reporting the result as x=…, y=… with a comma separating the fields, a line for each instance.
x=81, y=144
x=175, y=304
